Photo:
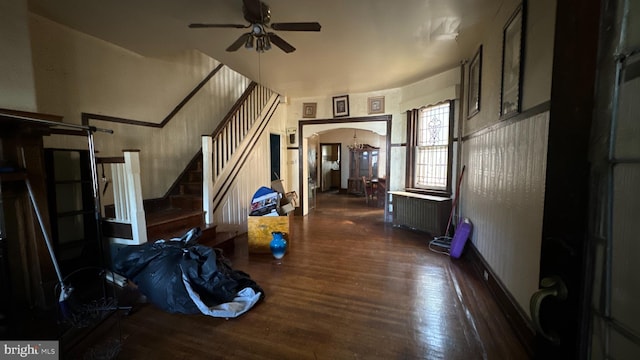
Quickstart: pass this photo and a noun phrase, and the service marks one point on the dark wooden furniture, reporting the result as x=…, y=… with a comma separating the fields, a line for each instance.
x=367, y=187
x=362, y=162
x=335, y=179
x=27, y=274
x=71, y=207
x=379, y=187
x=30, y=278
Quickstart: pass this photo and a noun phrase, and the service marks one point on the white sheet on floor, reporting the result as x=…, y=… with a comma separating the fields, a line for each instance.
x=245, y=299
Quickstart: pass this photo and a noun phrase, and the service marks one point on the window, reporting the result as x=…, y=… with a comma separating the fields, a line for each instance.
x=429, y=149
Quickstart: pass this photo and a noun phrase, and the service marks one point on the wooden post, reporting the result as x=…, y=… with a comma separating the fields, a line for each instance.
x=134, y=194
x=207, y=178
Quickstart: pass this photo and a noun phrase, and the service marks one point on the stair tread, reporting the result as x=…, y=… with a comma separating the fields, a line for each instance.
x=160, y=216
x=220, y=238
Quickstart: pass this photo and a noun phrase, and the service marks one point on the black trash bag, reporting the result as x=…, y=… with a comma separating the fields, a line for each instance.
x=158, y=270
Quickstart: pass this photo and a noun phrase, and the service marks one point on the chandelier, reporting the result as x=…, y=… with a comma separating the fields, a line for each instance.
x=355, y=145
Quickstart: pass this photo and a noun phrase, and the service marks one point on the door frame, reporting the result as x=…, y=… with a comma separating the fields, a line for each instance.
x=337, y=123
x=275, y=157
x=561, y=322
x=339, y=145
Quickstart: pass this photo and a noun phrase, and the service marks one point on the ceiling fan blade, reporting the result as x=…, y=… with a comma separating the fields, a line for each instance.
x=236, y=26
x=279, y=42
x=239, y=42
x=296, y=26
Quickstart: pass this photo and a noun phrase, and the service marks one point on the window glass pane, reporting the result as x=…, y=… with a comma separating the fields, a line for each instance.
x=374, y=164
x=70, y=228
x=68, y=197
x=432, y=152
x=67, y=165
x=364, y=164
x=431, y=166
x=433, y=128
x=624, y=283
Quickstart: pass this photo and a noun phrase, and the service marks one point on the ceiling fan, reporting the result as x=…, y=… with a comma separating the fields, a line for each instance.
x=258, y=15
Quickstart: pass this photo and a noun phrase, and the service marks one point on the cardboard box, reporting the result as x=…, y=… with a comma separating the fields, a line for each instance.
x=261, y=227
x=286, y=204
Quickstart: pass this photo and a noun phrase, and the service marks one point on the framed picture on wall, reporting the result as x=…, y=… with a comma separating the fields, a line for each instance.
x=376, y=105
x=475, y=79
x=309, y=110
x=341, y=105
x=512, y=52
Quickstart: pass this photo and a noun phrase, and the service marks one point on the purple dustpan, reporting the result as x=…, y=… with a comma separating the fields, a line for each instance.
x=460, y=238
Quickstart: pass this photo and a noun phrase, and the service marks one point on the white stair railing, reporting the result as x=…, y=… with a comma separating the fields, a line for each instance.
x=219, y=148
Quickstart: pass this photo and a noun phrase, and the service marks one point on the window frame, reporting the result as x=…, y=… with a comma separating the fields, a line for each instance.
x=413, y=118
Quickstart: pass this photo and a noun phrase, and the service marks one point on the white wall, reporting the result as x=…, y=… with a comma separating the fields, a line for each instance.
x=538, y=61
x=503, y=188
x=440, y=87
x=78, y=73
x=17, y=90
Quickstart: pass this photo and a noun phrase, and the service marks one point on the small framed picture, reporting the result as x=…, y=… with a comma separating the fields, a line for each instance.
x=376, y=105
x=475, y=79
x=309, y=110
x=341, y=105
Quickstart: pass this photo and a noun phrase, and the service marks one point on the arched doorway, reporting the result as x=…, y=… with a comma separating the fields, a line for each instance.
x=307, y=128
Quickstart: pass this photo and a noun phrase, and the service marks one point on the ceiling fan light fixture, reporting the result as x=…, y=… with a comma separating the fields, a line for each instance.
x=249, y=43
x=260, y=44
x=266, y=43
x=257, y=30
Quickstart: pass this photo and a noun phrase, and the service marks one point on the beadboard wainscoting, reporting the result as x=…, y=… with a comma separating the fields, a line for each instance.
x=503, y=195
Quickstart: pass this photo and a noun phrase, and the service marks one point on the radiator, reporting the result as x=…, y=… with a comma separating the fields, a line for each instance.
x=421, y=212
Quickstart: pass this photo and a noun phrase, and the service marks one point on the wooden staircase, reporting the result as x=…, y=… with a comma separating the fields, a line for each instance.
x=181, y=211
x=181, y=208
x=176, y=213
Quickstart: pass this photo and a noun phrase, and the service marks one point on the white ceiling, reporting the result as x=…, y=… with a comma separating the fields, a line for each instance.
x=364, y=45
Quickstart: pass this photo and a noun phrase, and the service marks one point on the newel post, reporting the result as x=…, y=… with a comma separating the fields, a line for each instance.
x=207, y=178
x=134, y=194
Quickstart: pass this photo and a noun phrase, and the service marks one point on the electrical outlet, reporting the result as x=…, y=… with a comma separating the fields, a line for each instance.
x=486, y=275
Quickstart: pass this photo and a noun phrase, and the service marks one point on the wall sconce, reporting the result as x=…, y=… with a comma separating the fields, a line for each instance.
x=291, y=136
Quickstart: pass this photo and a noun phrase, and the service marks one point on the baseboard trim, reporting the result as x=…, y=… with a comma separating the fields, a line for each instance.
x=517, y=318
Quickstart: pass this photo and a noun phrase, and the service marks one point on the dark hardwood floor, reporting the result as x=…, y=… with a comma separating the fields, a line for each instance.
x=350, y=287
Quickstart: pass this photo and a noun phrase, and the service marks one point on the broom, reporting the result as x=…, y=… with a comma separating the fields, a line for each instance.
x=445, y=240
